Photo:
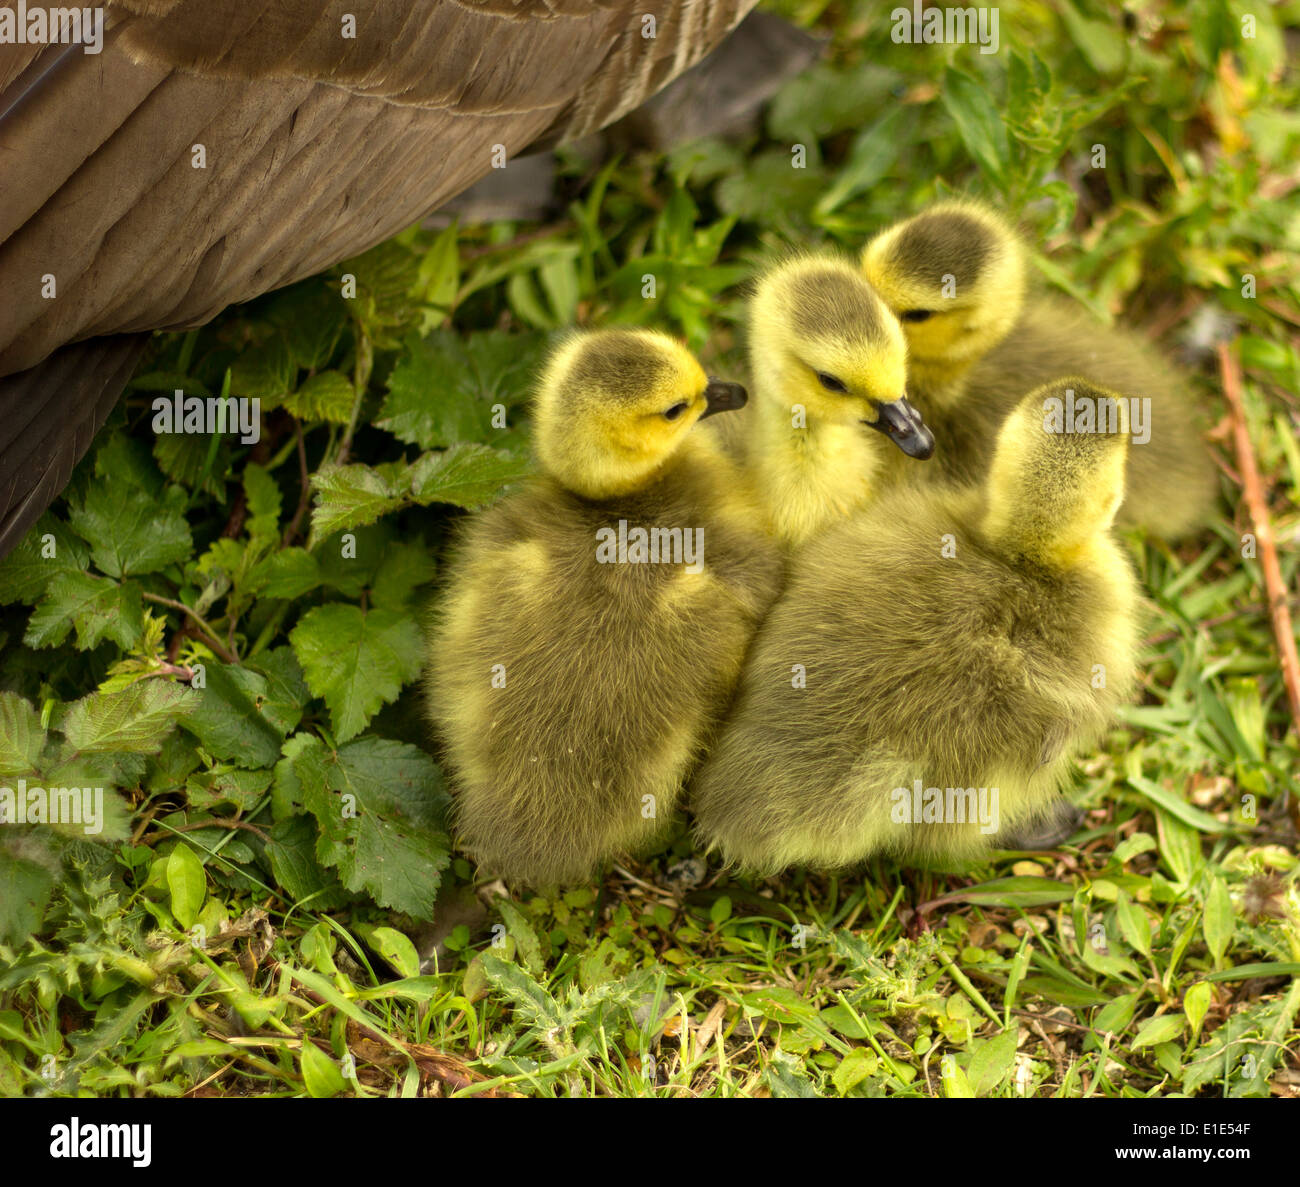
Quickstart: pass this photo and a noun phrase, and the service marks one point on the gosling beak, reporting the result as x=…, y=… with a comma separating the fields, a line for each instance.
x=902, y=424
x=723, y=397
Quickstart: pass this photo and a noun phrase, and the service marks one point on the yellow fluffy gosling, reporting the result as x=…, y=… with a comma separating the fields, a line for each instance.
x=829, y=367
x=955, y=277
x=594, y=624
x=958, y=639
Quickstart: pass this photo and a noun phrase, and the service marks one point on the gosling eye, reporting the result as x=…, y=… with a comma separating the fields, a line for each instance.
x=676, y=410
x=830, y=383
x=916, y=314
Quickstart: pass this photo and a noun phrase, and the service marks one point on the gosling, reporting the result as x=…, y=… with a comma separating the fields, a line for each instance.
x=594, y=624
x=934, y=663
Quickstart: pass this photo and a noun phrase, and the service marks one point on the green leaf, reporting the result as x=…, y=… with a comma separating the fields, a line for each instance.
x=534, y=1005
x=351, y=496
x=297, y=869
x=328, y=396
x=1116, y=1014
x=289, y=573
x=992, y=1062
x=265, y=373
x=227, y=785
x=356, y=661
x=1133, y=924
x=130, y=532
x=871, y=157
x=393, y=946
x=134, y=721
x=1013, y=892
x=406, y=566
x=855, y=1067
x=27, y=571
x=320, y=1073
x=787, y=1078
x=469, y=476
x=519, y=929
x=1161, y=1029
x=97, y=606
x=955, y=1083
x=978, y=123
x=1177, y=806
x=1196, y=1003
x=380, y=808
x=27, y=872
x=237, y=718
x=21, y=735
x=442, y=393
x=1219, y=920
x=187, y=884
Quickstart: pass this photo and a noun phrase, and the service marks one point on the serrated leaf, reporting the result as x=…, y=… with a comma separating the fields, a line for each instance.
x=297, y=869
x=232, y=719
x=442, y=392
x=380, y=807
x=328, y=396
x=133, y=721
x=27, y=571
x=27, y=871
x=130, y=532
x=21, y=735
x=787, y=1078
x=531, y=1000
x=97, y=606
x=289, y=573
x=469, y=476
x=227, y=785
x=356, y=661
x=187, y=884
x=405, y=567
x=352, y=496
x=265, y=372
x=520, y=929
x=264, y=502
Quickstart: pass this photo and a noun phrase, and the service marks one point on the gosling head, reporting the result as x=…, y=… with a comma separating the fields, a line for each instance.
x=1053, y=490
x=954, y=276
x=614, y=405
x=821, y=338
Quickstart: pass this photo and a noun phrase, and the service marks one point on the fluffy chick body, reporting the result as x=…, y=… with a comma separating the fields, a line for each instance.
x=887, y=665
x=572, y=696
x=983, y=346
x=815, y=452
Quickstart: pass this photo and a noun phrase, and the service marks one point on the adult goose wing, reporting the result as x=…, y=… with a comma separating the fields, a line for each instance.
x=324, y=130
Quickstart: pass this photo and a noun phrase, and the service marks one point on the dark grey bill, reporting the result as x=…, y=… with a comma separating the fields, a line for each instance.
x=902, y=424
x=723, y=397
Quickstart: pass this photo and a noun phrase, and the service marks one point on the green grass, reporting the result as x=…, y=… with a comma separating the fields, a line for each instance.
x=1154, y=954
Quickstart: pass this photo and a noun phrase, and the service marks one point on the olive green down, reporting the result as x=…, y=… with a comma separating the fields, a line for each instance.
x=959, y=637
x=990, y=337
x=573, y=697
